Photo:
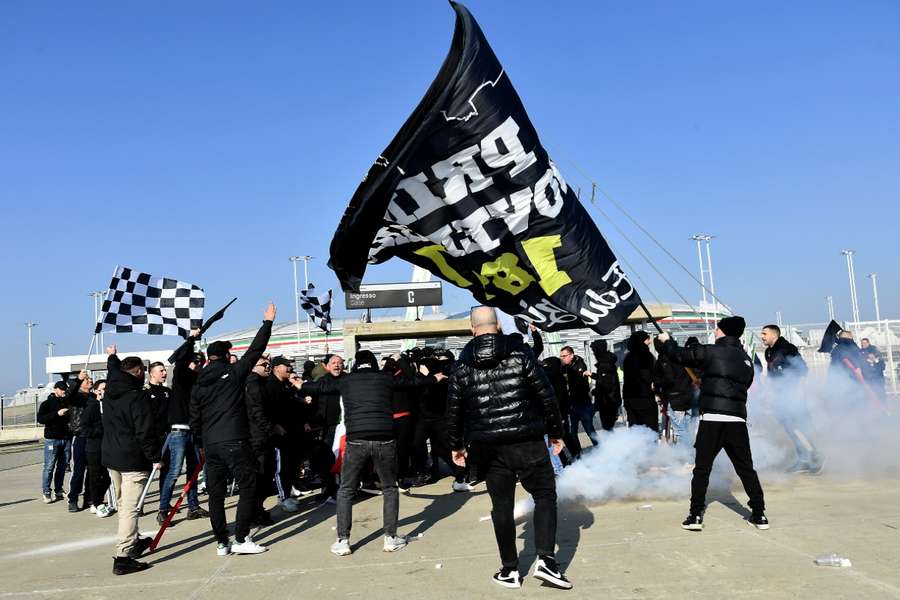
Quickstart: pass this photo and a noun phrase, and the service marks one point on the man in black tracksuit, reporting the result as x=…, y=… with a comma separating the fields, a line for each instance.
x=500, y=399
x=367, y=393
x=219, y=417
x=727, y=375
x=262, y=436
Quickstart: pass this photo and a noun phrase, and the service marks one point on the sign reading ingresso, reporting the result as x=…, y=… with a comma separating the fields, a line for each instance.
x=396, y=295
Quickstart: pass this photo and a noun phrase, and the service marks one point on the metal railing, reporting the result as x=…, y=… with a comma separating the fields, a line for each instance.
x=20, y=410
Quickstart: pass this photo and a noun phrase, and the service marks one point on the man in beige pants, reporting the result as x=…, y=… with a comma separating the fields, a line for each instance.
x=130, y=448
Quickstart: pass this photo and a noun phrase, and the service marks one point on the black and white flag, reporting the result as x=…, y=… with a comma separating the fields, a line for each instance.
x=466, y=191
x=142, y=303
x=318, y=307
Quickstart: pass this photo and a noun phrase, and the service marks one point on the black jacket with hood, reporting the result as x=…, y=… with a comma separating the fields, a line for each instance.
x=499, y=394
x=727, y=373
x=218, y=411
x=259, y=411
x=784, y=358
x=637, y=369
x=130, y=441
x=183, y=379
x=607, y=390
x=92, y=424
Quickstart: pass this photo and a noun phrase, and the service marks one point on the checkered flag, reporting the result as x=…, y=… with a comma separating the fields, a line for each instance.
x=317, y=307
x=141, y=303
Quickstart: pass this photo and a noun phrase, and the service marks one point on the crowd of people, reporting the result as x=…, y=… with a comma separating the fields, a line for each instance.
x=498, y=414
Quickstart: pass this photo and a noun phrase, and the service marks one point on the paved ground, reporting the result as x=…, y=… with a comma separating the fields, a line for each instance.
x=612, y=550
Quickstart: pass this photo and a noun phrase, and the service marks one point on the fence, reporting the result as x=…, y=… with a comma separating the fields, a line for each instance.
x=21, y=409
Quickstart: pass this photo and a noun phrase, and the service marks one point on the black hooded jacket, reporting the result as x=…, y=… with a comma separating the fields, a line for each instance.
x=672, y=380
x=499, y=394
x=846, y=357
x=368, y=395
x=130, y=441
x=727, y=373
x=553, y=369
x=183, y=380
x=783, y=358
x=92, y=424
x=637, y=369
x=218, y=411
x=259, y=411
x=607, y=390
x=577, y=385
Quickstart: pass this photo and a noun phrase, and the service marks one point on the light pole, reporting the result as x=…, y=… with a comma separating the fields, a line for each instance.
x=712, y=282
x=96, y=296
x=294, y=260
x=30, y=325
x=50, y=349
x=698, y=239
x=829, y=302
x=851, y=275
x=779, y=320
x=874, y=278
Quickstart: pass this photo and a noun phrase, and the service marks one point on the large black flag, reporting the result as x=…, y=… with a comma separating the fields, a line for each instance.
x=466, y=191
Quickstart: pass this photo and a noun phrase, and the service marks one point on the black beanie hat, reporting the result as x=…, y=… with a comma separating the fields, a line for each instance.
x=365, y=360
x=732, y=326
x=219, y=349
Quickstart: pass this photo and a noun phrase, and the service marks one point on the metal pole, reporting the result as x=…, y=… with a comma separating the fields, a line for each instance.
x=712, y=282
x=96, y=296
x=874, y=278
x=779, y=320
x=698, y=238
x=306, y=285
x=851, y=276
x=294, y=260
x=30, y=325
x=829, y=302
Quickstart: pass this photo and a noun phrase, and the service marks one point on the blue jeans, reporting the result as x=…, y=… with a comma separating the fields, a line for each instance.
x=181, y=447
x=681, y=421
x=585, y=416
x=55, y=452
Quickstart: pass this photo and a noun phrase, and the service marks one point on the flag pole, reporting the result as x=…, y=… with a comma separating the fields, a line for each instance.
x=90, y=351
x=649, y=316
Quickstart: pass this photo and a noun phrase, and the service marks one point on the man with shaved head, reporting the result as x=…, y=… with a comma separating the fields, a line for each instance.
x=500, y=400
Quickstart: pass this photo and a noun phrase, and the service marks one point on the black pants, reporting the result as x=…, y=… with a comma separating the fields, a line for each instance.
x=405, y=432
x=265, y=476
x=97, y=479
x=733, y=437
x=436, y=431
x=608, y=411
x=648, y=417
x=79, y=464
x=529, y=462
x=235, y=458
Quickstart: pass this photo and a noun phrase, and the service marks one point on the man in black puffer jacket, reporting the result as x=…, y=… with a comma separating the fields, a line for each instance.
x=367, y=395
x=607, y=390
x=502, y=402
x=219, y=418
x=129, y=449
x=727, y=375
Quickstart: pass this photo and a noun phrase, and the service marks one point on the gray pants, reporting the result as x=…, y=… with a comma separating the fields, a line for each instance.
x=356, y=456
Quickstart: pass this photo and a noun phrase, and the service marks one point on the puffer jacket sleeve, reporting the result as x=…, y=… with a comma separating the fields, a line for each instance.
x=540, y=386
x=693, y=356
x=455, y=408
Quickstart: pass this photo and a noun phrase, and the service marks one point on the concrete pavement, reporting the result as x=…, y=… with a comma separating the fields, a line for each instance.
x=612, y=550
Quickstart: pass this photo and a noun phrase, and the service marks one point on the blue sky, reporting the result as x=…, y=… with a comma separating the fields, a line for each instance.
x=209, y=141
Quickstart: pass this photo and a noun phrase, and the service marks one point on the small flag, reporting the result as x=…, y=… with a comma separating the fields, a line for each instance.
x=340, y=443
x=142, y=303
x=318, y=307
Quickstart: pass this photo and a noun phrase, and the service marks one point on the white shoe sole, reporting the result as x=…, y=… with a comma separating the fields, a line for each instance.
x=563, y=585
x=241, y=551
x=394, y=548
x=762, y=527
x=222, y=552
x=513, y=585
x=341, y=552
x=692, y=527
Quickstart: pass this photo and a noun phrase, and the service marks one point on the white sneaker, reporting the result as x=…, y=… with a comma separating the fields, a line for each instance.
x=103, y=511
x=289, y=505
x=462, y=486
x=341, y=547
x=47, y=499
x=223, y=549
x=508, y=578
x=93, y=509
x=394, y=543
x=247, y=547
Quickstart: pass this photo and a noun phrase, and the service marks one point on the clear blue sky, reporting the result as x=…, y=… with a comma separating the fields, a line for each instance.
x=209, y=141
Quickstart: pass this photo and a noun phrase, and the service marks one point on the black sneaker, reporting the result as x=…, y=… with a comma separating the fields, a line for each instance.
x=263, y=519
x=759, y=520
x=59, y=496
x=508, y=578
x=197, y=513
x=127, y=565
x=547, y=570
x=693, y=523
x=140, y=546
x=73, y=507
x=161, y=518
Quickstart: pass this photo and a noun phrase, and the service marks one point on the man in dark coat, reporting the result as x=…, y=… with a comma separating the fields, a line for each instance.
x=786, y=369
x=367, y=395
x=53, y=414
x=501, y=401
x=607, y=390
x=262, y=436
x=219, y=418
x=727, y=375
x=579, y=391
x=130, y=448
x=676, y=392
x=637, y=370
